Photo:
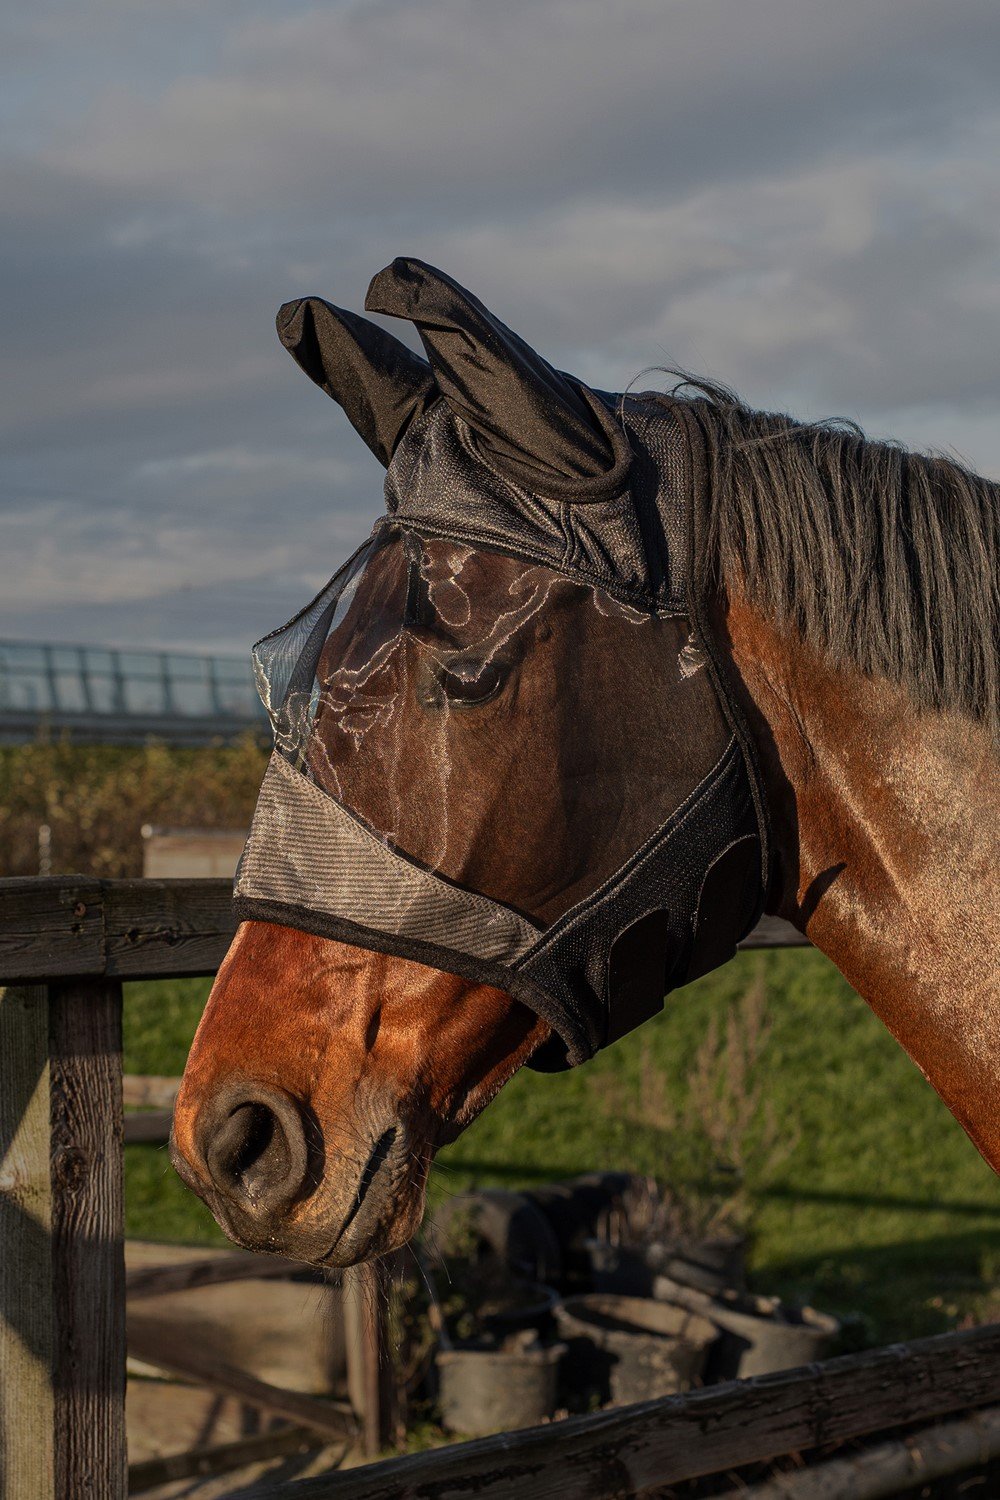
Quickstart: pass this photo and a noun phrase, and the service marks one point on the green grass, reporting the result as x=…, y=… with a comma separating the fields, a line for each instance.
x=874, y=1202
x=160, y=1019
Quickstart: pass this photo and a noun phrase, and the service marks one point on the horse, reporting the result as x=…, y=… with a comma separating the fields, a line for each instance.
x=849, y=596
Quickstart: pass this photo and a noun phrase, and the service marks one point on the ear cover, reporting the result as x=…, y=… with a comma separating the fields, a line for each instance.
x=380, y=383
x=540, y=428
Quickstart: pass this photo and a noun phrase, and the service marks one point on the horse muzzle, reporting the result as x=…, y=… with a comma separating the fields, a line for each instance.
x=257, y=1157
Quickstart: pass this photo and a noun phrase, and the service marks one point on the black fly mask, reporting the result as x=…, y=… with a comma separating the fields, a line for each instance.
x=497, y=656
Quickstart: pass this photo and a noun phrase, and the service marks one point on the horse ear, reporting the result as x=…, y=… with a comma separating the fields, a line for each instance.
x=380, y=383
x=541, y=428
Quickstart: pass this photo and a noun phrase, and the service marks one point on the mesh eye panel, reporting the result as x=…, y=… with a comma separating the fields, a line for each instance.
x=490, y=719
x=284, y=662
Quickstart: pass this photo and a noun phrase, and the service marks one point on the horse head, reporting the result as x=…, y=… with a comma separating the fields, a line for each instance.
x=507, y=808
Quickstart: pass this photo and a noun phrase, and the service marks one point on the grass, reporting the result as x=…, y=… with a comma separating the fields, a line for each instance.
x=865, y=1196
x=160, y=1019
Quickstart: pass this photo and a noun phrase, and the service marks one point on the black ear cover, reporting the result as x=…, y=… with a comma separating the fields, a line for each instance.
x=542, y=429
x=381, y=385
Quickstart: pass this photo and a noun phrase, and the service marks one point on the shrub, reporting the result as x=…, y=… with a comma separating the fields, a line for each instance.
x=95, y=799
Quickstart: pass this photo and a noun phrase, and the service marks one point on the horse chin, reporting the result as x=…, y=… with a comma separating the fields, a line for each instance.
x=389, y=1227
x=385, y=1208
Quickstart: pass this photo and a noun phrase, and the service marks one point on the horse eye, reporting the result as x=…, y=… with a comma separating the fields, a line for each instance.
x=464, y=682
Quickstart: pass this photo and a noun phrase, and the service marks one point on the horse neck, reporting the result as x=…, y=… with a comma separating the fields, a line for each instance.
x=887, y=853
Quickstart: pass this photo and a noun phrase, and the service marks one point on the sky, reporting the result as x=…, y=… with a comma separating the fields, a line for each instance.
x=798, y=198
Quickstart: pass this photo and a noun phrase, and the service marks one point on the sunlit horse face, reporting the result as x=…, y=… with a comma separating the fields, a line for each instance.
x=474, y=732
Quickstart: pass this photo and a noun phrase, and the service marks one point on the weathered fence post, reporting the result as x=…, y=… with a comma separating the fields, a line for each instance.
x=27, y=1432
x=62, y=1325
x=88, y=1248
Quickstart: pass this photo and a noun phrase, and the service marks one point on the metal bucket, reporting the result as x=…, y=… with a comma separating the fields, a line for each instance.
x=494, y=1222
x=711, y=1264
x=759, y=1334
x=573, y=1208
x=525, y=1304
x=623, y=1270
x=632, y=1348
x=483, y=1390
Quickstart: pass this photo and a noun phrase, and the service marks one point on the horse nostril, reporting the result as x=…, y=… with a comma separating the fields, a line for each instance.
x=250, y=1152
x=255, y=1150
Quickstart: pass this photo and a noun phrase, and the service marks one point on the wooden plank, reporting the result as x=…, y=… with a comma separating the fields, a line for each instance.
x=902, y=1464
x=191, y=853
x=632, y=1449
x=166, y=1347
x=50, y=928
x=148, y=1128
x=158, y=927
x=63, y=927
x=149, y=1090
x=26, y=1409
x=69, y=927
x=221, y=1458
x=369, y=1365
x=166, y=1415
x=88, y=1259
x=158, y=1281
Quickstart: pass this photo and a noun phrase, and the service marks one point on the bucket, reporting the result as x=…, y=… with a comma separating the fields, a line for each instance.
x=758, y=1334
x=628, y=1349
x=623, y=1270
x=714, y=1264
x=484, y=1389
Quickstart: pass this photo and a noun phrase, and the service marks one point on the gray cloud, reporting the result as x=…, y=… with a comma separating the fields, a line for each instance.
x=798, y=198
x=454, y=104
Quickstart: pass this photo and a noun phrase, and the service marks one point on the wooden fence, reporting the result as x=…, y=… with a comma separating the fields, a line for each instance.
x=66, y=946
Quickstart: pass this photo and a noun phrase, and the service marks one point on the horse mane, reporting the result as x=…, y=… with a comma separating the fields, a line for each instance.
x=887, y=560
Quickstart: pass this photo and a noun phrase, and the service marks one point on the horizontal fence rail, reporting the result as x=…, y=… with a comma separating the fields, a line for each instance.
x=635, y=1449
x=70, y=927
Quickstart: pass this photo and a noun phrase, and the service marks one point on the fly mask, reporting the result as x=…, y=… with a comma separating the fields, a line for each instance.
x=539, y=538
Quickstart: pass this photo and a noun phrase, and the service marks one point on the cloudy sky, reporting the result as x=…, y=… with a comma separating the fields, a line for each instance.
x=797, y=197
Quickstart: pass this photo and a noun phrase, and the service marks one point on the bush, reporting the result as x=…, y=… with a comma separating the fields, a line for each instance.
x=95, y=799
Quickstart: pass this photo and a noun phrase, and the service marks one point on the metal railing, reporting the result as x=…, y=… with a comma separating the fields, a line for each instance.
x=106, y=693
